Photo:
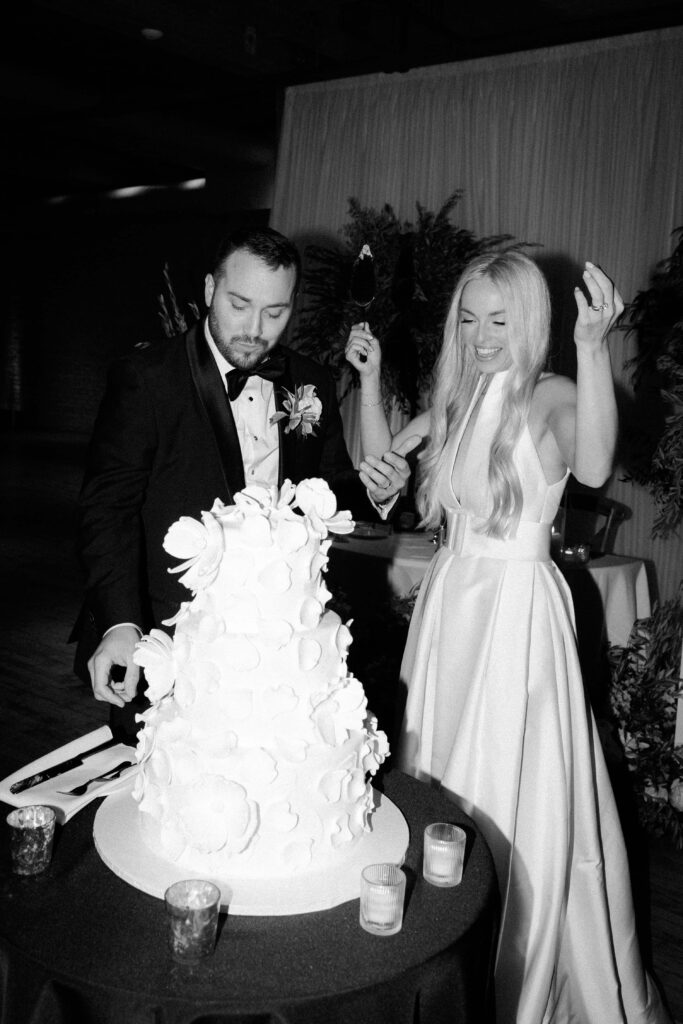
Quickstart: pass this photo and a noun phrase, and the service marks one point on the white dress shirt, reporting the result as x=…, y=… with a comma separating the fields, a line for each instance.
x=252, y=410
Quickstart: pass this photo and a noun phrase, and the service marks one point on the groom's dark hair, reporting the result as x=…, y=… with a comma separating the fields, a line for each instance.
x=266, y=244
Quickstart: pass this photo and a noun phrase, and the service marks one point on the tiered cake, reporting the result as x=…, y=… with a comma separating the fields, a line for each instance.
x=256, y=751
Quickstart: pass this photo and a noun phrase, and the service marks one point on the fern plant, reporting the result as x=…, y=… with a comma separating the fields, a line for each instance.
x=654, y=439
x=173, y=318
x=645, y=688
x=416, y=267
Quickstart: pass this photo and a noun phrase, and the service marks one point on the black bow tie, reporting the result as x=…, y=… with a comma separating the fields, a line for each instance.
x=270, y=369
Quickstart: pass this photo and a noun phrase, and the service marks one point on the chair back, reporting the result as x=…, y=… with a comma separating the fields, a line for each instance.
x=591, y=519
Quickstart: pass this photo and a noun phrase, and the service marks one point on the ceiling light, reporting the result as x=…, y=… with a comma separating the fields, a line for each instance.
x=152, y=34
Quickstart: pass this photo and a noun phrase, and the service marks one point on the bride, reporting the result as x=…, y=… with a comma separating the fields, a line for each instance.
x=496, y=712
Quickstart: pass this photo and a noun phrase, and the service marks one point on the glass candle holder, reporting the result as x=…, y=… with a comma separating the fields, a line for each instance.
x=444, y=854
x=192, y=907
x=32, y=831
x=382, y=893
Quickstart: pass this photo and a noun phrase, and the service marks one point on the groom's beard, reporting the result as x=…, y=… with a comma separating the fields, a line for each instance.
x=241, y=350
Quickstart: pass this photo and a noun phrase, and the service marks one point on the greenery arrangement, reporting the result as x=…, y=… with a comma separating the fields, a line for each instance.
x=654, y=441
x=173, y=319
x=416, y=266
x=644, y=692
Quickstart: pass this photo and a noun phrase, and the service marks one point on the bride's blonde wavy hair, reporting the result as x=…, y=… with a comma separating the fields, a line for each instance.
x=527, y=314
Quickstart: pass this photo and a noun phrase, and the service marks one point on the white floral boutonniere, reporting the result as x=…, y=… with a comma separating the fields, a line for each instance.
x=303, y=408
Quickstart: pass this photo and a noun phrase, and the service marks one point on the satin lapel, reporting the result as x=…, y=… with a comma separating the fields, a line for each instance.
x=288, y=461
x=211, y=391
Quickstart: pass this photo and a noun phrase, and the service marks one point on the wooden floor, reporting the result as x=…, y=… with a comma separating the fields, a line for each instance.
x=43, y=705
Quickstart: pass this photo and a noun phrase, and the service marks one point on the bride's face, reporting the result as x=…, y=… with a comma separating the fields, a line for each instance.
x=483, y=326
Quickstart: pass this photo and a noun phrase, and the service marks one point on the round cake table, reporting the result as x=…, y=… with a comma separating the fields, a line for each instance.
x=79, y=944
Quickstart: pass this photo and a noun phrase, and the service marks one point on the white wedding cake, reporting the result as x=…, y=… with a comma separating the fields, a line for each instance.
x=256, y=751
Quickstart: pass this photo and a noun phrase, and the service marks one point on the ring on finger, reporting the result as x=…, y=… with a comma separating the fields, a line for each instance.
x=599, y=309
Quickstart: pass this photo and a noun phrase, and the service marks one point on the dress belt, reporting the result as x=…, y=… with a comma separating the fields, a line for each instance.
x=464, y=538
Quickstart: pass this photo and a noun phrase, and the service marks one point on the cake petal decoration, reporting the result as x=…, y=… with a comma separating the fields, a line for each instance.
x=181, y=614
x=344, y=639
x=287, y=494
x=319, y=563
x=279, y=700
x=291, y=749
x=252, y=768
x=275, y=633
x=216, y=813
x=290, y=535
x=218, y=742
x=159, y=768
x=324, y=715
x=315, y=496
x=241, y=614
x=310, y=653
x=341, y=523
x=276, y=577
x=256, y=495
x=256, y=532
x=279, y=817
x=342, y=833
x=154, y=653
x=174, y=730
x=235, y=569
x=186, y=767
x=200, y=544
x=184, y=691
x=242, y=655
x=311, y=610
x=331, y=784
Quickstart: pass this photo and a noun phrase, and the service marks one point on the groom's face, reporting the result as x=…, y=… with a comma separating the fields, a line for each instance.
x=249, y=307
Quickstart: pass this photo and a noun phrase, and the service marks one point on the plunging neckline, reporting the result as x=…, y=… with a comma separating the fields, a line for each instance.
x=488, y=384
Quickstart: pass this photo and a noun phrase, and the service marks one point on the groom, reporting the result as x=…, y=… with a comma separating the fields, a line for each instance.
x=191, y=419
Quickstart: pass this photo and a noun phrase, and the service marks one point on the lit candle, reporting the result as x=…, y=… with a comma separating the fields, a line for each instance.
x=444, y=851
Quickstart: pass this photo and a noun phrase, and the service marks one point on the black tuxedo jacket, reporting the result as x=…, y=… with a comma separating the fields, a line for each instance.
x=165, y=446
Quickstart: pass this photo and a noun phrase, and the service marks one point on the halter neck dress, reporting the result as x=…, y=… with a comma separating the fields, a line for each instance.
x=496, y=713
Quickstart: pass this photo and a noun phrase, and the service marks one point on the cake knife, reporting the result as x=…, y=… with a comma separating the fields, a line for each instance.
x=363, y=282
x=59, y=769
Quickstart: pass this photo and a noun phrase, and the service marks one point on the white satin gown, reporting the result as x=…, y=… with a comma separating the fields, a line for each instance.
x=496, y=713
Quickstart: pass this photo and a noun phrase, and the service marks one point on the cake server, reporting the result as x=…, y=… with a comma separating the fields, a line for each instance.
x=59, y=769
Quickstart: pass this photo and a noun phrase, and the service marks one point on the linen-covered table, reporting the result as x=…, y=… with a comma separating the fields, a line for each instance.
x=397, y=562
x=79, y=944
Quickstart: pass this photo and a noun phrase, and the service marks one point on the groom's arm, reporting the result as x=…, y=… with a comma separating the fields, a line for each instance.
x=111, y=537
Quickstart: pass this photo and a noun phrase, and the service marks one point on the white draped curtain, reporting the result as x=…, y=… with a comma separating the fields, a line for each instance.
x=576, y=148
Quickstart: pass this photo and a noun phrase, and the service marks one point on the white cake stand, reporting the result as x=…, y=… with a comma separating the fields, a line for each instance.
x=119, y=844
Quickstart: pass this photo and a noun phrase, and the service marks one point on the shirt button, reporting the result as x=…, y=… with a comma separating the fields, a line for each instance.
x=255, y=437
x=251, y=398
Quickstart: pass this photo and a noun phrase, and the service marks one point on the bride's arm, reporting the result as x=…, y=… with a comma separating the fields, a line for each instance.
x=583, y=418
x=383, y=455
x=363, y=352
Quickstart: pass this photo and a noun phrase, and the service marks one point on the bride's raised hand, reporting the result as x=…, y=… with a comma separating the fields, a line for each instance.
x=596, y=318
x=363, y=350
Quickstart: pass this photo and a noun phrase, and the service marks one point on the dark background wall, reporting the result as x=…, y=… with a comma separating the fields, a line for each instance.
x=81, y=286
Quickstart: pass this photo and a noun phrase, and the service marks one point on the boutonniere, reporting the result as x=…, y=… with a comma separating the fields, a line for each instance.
x=303, y=409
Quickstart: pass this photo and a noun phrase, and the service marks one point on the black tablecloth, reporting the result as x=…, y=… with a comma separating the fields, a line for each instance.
x=80, y=946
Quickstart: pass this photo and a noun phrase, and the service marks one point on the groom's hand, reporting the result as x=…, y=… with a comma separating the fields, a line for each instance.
x=116, y=648
x=385, y=477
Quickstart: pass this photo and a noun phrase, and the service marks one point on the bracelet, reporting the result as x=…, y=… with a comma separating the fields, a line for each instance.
x=371, y=405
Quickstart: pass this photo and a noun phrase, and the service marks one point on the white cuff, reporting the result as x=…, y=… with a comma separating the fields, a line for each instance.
x=118, y=626
x=383, y=507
